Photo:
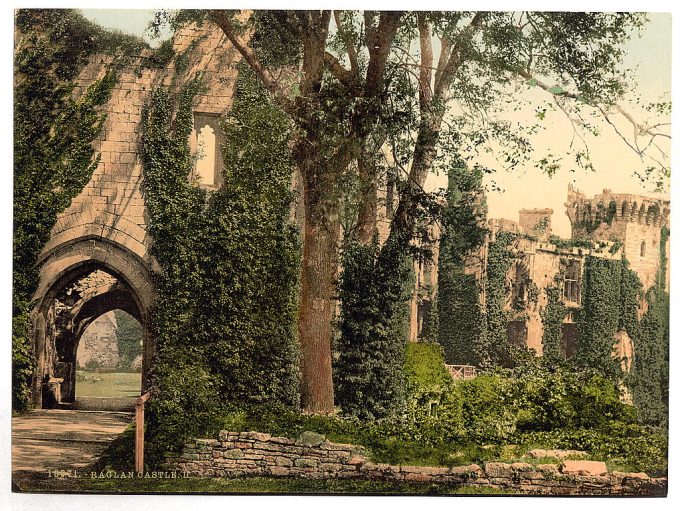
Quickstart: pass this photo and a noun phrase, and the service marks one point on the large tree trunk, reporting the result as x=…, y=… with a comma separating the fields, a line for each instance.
x=317, y=311
x=318, y=303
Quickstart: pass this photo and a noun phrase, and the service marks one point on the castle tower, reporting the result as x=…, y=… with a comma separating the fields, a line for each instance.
x=633, y=220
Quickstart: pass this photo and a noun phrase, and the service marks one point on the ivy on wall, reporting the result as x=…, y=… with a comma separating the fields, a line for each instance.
x=461, y=322
x=552, y=317
x=495, y=348
x=599, y=317
x=225, y=321
x=53, y=155
x=430, y=331
x=649, y=380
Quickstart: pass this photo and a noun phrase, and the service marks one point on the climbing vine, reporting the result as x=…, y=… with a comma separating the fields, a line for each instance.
x=495, y=347
x=598, y=319
x=461, y=321
x=649, y=381
x=611, y=295
x=460, y=317
x=53, y=156
x=430, y=331
x=225, y=318
x=552, y=317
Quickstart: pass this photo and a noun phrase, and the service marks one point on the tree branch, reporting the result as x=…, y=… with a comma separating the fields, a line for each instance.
x=638, y=129
x=344, y=76
x=379, y=42
x=456, y=58
x=443, y=59
x=425, y=78
x=347, y=40
x=222, y=19
x=314, y=50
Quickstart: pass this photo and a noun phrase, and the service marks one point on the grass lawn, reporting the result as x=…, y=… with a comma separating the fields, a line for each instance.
x=96, y=384
x=252, y=485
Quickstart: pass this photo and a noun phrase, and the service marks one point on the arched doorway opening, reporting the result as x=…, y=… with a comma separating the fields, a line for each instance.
x=81, y=283
x=109, y=361
x=82, y=333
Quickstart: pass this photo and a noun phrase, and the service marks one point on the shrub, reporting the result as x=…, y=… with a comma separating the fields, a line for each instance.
x=188, y=407
x=634, y=447
x=487, y=408
x=374, y=292
x=424, y=366
x=528, y=407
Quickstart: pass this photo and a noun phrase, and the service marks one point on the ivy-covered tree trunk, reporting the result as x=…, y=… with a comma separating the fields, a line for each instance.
x=368, y=199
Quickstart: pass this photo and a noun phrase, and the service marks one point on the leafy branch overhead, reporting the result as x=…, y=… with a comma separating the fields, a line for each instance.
x=575, y=58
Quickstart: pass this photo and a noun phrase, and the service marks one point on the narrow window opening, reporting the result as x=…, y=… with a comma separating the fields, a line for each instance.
x=205, y=162
x=572, y=282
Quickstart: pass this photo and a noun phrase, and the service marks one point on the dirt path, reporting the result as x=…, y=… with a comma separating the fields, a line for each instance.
x=44, y=440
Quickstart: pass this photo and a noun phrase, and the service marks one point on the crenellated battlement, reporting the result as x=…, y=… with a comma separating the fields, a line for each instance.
x=588, y=214
x=634, y=220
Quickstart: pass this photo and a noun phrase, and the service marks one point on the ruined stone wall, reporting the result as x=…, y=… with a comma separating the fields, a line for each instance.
x=637, y=219
x=311, y=456
x=647, y=265
x=99, y=344
x=543, y=262
x=111, y=205
x=536, y=222
x=105, y=226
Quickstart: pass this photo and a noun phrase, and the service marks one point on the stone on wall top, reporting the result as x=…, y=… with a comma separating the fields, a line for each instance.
x=311, y=439
x=584, y=468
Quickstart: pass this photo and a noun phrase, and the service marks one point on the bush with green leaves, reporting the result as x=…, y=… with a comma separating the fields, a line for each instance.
x=424, y=367
x=527, y=408
x=625, y=446
x=553, y=397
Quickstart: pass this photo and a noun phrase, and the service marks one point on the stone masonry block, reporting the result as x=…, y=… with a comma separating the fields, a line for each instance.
x=254, y=435
x=584, y=468
x=305, y=463
x=310, y=438
x=495, y=469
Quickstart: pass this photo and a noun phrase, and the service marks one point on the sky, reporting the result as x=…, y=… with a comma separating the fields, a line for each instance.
x=648, y=54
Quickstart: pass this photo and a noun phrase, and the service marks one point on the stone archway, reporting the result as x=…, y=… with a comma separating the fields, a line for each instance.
x=79, y=282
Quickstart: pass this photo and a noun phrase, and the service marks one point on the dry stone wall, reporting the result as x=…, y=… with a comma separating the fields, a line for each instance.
x=311, y=456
